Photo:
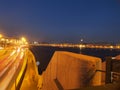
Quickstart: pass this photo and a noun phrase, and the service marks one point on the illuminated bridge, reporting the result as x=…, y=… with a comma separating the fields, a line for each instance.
x=58, y=70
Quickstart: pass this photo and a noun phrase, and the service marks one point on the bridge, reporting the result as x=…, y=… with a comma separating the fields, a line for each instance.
x=62, y=70
x=18, y=70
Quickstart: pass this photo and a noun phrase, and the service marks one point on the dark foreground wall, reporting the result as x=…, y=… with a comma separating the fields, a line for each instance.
x=70, y=71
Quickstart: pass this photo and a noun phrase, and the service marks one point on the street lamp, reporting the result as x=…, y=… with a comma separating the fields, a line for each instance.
x=1, y=35
x=81, y=40
x=23, y=40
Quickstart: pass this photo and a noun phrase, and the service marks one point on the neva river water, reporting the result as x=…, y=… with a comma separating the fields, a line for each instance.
x=101, y=53
x=43, y=54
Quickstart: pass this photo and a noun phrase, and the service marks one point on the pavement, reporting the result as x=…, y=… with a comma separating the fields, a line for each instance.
x=31, y=80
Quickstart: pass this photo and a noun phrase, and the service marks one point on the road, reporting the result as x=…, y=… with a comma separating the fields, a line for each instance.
x=11, y=62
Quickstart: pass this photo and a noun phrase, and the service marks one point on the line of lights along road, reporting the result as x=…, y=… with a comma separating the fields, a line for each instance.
x=5, y=41
x=97, y=46
x=22, y=41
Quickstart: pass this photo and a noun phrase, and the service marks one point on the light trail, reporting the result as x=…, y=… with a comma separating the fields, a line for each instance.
x=9, y=66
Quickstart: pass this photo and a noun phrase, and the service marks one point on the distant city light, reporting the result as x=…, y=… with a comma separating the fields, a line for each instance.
x=2, y=39
x=35, y=42
x=81, y=40
x=111, y=47
x=23, y=39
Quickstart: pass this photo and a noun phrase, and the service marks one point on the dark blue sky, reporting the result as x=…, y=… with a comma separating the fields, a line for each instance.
x=61, y=20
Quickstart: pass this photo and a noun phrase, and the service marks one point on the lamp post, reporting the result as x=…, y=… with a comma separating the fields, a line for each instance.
x=81, y=40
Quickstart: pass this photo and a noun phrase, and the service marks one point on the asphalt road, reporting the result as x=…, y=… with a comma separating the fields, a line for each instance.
x=11, y=61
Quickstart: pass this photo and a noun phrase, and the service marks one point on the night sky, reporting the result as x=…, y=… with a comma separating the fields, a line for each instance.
x=61, y=20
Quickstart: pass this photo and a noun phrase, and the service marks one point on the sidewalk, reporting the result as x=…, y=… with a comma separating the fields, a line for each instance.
x=30, y=80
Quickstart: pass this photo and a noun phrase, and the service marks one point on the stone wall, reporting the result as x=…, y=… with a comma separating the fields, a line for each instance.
x=72, y=71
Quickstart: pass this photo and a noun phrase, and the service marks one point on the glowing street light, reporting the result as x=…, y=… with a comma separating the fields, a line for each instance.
x=23, y=39
x=1, y=35
x=81, y=40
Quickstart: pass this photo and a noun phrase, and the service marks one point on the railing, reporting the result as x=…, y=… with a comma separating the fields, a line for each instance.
x=112, y=70
x=112, y=77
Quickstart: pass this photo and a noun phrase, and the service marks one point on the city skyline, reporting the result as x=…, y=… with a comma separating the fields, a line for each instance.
x=62, y=20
